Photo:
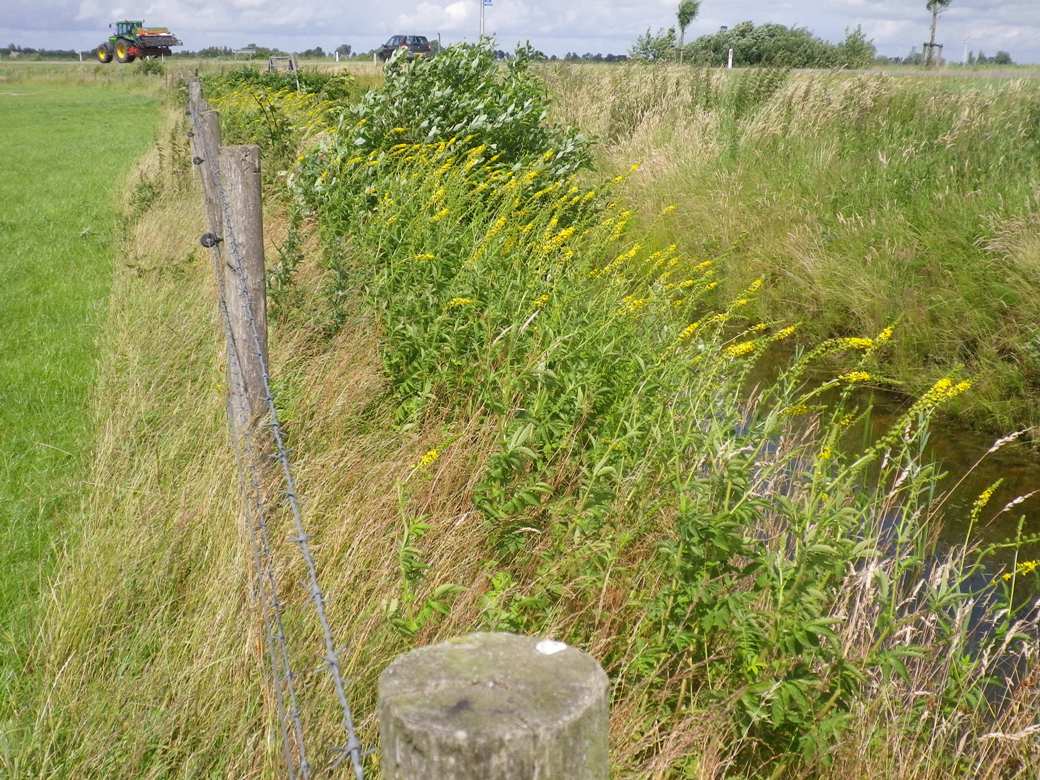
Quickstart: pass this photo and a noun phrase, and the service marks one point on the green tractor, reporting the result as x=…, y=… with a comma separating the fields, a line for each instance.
x=132, y=40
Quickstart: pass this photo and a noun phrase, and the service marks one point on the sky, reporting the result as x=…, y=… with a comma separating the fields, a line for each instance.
x=554, y=26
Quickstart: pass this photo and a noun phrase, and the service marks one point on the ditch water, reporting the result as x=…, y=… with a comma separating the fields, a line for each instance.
x=961, y=454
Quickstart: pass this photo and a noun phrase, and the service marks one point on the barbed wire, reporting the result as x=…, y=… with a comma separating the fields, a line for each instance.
x=260, y=543
x=234, y=262
x=282, y=676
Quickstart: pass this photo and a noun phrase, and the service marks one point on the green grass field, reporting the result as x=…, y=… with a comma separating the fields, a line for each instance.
x=65, y=152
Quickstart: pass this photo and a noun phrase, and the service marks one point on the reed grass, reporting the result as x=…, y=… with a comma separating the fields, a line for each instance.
x=864, y=199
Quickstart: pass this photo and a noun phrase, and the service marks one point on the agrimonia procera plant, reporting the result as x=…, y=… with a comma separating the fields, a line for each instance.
x=724, y=555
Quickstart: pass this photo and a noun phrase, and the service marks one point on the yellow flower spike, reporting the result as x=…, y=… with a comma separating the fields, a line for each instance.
x=785, y=333
x=983, y=499
x=458, y=303
x=826, y=454
x=496, y=228
x=424, y=257
x=541, y=300
x=855, y=342
x=855, y=377
x=557, y=241
x=688, y=331
x=1024, y=569
x=634, y=167
x=884, y=336
x=670, y=209
x=741, y=349
x=630, y=304
x=442, y=214
x=428, y=459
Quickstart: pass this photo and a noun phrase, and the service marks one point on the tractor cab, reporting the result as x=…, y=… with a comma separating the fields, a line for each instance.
x=127, y=28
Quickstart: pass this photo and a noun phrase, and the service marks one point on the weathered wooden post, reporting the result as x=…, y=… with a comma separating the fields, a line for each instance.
x=207, y=152
x=245, y=289
x=494, y=707
x=194, y=96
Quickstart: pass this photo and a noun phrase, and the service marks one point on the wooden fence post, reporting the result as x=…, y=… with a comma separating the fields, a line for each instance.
x=494, y=707
x=245, y=288
x=207, y=151
x=194, y=96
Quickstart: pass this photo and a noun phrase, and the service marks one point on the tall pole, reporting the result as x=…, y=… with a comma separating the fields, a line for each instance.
x=481, y=19
x=930, y=59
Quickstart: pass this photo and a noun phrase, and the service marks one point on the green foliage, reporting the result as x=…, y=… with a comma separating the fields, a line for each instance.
x=735, y=546
x=777, y=45
x=326, y=86
x=463, y=93
x=655, y=47
x=688, y=10
x=152, y=67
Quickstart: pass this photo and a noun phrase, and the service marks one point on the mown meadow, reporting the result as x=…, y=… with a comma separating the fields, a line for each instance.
x=58, y=234
x=522, y=396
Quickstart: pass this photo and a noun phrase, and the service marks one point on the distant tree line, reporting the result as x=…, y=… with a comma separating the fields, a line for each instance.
x=763, y=44
x=573, y=56
x=14, y=51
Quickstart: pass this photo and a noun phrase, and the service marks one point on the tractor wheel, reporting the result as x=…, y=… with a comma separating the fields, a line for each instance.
x=104, y=53
x=123, y=54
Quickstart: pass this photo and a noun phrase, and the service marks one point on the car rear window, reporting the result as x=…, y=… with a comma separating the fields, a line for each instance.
x=418, y=40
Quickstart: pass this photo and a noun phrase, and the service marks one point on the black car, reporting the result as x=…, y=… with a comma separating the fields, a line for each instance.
x=414, y=45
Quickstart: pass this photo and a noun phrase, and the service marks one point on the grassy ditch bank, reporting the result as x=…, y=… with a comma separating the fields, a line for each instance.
x=607, y=483
x=864, y=200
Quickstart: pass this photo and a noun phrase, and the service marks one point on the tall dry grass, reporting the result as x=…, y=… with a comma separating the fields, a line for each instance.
x=864, y=199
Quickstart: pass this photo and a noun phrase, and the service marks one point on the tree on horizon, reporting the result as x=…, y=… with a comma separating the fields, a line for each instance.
x=688, y=10
x=936, y=7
